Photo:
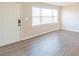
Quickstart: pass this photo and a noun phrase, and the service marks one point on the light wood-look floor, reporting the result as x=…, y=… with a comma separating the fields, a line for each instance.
x=57, y=43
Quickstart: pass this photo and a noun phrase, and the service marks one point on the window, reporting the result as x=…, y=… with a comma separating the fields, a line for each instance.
x=46, y=15
x=35, y=16
x=43, y=16
x=55, y=14
x=35, y=20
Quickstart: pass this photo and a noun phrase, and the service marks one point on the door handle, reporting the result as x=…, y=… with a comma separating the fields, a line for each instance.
x=19, y=22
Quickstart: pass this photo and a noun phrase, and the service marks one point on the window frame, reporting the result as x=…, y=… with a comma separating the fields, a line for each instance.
x=46, y=16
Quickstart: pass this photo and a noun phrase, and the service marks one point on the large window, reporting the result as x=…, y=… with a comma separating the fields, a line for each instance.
x=44, y=16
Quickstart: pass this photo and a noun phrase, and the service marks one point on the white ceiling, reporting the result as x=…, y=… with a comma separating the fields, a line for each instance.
x=62, y=3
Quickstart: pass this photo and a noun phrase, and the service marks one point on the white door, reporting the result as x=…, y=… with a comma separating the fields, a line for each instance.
x=9, y=29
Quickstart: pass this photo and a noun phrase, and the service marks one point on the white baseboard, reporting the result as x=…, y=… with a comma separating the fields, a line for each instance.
x=70, y=29
x=57, y=28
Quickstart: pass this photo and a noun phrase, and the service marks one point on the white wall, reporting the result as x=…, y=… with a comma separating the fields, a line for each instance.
x=70, y=17
x=27, y=29
x=9, y=29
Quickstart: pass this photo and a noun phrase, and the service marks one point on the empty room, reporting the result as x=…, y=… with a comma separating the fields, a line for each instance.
x=39, y=29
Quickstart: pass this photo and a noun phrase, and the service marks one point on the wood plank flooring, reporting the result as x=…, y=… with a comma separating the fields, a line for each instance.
x=57, y=43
